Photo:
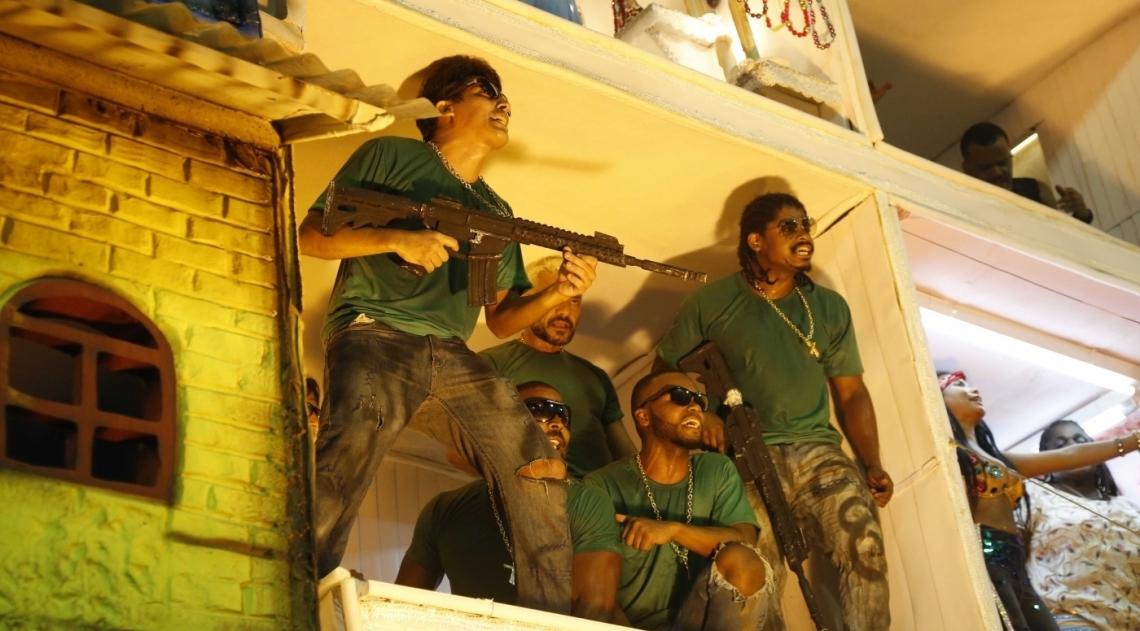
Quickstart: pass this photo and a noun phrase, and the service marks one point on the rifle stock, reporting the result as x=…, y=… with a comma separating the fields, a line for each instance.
x=748, y=450
x=488, y=235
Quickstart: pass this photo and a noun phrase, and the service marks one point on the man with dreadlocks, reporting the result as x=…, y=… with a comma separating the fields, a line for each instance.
x=787, y=341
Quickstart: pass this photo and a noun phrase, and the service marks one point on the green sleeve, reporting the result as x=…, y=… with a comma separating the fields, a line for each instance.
x=685, y=335
x=491, y=356
x=842, y=359
x=424, y=550
x=731, y=505
x=592, y=524
x=612, y=411
x=360, y=170
x=512, y=273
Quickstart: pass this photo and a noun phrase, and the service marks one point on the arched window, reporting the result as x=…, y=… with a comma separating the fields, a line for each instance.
x=86, y=389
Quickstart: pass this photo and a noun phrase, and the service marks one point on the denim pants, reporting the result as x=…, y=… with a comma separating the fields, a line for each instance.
x=380, y=380
x=1005, y=562
x=834, y=507
x=714, y=604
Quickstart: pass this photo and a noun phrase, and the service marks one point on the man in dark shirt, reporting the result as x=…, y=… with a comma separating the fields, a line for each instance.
x=986, y=156
x=461, y=533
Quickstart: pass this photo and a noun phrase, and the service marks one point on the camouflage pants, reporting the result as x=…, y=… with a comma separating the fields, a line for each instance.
x=832, y=503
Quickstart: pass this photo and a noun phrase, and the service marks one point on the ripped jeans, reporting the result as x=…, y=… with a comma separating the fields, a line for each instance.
x=834, y=507
x=379, y=380
x=714, y=604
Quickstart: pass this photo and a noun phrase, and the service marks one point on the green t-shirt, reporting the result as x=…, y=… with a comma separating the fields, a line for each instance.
x=456, y=534
x=584, y=387
x=778, y=376
x=654, y=584
x=377, y=286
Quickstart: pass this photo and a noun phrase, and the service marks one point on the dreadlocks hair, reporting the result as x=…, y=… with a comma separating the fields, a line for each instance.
x=758, y=214
x=1102, y=477
x=445, y=80
x=986, y=441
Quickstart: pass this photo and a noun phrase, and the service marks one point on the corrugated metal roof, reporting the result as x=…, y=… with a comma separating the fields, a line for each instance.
x=177, y=19
x=168, y=45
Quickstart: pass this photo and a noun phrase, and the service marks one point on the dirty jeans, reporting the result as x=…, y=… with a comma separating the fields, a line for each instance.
x=834, y=507
x=714, y=604
x=379, y=381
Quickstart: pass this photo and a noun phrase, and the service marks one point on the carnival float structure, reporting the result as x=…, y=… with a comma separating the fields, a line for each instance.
x=156, y=322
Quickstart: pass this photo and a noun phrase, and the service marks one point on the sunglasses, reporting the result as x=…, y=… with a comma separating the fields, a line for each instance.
x=789, y=227
x=545, y=411
x=679, y=396
x=487, y=87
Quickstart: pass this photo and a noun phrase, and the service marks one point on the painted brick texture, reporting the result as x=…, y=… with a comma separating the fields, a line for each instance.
x=181, y=224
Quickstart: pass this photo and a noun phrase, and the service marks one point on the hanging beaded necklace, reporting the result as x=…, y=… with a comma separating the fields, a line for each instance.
x=502, y=533
x=808, y=9
x=806, y=339
x=682, y=553
x=499, y=207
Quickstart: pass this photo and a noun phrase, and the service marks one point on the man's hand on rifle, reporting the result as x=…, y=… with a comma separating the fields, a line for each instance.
x=712, y=433
x=426, y=248
x=881, y=485
x=576, y=274
x=643, y=533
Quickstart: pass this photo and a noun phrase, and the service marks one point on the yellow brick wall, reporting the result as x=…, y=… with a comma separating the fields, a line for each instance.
x=186, y=226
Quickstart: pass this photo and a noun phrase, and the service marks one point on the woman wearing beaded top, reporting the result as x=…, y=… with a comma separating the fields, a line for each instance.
x=995, y=483
x=1083, y=558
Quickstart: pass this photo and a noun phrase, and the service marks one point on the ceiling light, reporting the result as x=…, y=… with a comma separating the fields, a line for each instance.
x=1026, y=352
x=1105, y=420
x=1024, y=143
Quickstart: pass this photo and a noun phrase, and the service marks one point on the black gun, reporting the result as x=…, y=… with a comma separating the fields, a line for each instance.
x=747, y=449
x=488, y=235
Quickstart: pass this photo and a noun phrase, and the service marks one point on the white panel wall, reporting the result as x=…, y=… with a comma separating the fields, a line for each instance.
x=388, y=515
x=1087, y=113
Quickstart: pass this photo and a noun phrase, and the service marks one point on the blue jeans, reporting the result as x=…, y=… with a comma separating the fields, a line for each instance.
x=713, y=604
x=378, y=381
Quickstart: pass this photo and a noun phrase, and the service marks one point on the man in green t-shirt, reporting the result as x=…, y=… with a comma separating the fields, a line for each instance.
x=395, y=342
x=787, y=341
x=687, y=564
x=461, y=533
x=539, y=354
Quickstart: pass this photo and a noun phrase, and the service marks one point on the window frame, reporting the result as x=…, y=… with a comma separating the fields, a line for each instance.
x=84, y=412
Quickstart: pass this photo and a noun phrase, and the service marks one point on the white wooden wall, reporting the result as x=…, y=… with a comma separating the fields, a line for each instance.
x=1087, y=113
x=388, y=515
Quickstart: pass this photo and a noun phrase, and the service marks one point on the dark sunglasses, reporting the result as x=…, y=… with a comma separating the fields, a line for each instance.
x=789, y=227
x=545, y=410
x=487, y=87
x=679, y=396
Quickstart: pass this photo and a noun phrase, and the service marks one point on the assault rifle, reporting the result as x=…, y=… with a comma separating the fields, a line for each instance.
x=747, y=449
x=487, y=234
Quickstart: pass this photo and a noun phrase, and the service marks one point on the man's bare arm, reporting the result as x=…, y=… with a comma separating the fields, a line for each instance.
x=643, y=533
x=513, y=313
x=421, y=247
x=863, y=432
x=595, y=584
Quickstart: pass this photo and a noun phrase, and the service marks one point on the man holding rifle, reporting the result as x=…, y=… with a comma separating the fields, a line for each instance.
x=786, y=341
x=395, y=341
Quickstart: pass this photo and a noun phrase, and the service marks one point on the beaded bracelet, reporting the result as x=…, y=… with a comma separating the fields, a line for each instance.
x=1119, y=447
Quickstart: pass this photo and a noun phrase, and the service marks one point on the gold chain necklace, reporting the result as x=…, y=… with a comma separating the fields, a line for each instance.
x=807, y=339
x=502, y=533
x=499, y=207
x=682, y=553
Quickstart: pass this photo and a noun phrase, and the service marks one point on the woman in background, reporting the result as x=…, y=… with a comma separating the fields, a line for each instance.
x=1085, y=555
x=995, y=483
